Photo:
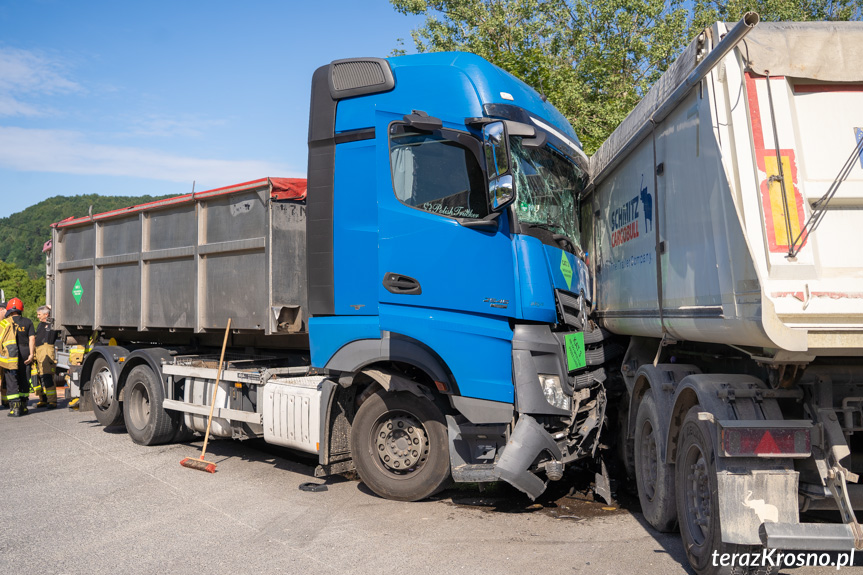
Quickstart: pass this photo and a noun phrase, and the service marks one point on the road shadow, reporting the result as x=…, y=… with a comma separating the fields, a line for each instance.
x=570, y=499
x=258, y=451
x=91, y=421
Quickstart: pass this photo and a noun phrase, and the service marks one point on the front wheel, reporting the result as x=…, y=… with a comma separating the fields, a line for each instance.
x=147, y=422
x=103, y=393
x=399, y=446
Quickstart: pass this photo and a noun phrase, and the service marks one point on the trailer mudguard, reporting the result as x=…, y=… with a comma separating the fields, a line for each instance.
x=751, y=491
x=111, y=354
x=152, y=357
x=663, y=379
x=713, y=392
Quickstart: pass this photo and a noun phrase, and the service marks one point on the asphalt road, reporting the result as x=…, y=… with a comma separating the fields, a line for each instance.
x=80, y=498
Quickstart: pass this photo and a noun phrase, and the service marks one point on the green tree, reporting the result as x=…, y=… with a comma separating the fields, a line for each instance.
x=776, y=10
x=593, y=59
x=16, y=283
x=23, y=234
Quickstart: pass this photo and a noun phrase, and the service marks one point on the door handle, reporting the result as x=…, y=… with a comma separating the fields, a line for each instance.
x=399, y=284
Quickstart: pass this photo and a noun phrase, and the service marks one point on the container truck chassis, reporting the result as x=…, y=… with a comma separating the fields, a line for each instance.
x=356, y=336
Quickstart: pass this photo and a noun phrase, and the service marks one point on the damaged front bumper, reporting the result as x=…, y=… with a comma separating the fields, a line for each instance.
x=544, y=437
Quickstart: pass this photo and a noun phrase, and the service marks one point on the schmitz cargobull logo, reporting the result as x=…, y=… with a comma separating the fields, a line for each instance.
x=624, y=220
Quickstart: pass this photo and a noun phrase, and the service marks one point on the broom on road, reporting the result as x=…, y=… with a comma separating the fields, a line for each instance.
x=199, y=463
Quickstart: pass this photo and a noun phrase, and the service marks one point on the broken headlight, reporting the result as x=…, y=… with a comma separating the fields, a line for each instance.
x=553, y=391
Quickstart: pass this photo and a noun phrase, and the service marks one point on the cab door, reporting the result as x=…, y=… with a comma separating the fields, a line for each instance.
x=429, y=256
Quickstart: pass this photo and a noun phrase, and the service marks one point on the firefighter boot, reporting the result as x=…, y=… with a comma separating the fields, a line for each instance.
x=13, y=408
x=22, y=406
x=36, y=387
x=49, y=391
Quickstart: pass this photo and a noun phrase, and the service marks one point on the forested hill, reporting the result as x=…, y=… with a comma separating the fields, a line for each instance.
x=22, y=234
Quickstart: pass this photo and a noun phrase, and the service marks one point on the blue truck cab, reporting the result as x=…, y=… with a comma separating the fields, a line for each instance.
x=447, y=285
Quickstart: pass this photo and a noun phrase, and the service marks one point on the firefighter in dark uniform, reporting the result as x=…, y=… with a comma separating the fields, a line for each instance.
x=18, y=378
x=45, y=360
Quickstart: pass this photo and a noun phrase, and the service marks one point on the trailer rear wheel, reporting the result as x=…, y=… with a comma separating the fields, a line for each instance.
x=146, y=420
x=103, y=393
x=399, y=446
x=698, y=502
x=655, y=479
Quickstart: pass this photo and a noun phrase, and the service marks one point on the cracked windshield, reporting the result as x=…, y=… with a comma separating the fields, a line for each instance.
x=547, y=185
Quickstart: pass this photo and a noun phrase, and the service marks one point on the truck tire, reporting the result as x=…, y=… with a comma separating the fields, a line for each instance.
x=399, y=446
x=655, y=479
x=147, y=422
x=103, y=393
x=698, y=503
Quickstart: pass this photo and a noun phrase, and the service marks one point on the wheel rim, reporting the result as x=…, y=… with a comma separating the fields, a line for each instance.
x=649, y=461
x=102, y=386
x=699, y=512
x=139, y=407
x=401, y=444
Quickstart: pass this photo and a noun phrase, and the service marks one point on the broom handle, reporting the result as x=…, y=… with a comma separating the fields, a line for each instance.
x=216, y=388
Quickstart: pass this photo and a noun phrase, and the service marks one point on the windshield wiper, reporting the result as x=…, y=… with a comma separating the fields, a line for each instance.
x=562, y=240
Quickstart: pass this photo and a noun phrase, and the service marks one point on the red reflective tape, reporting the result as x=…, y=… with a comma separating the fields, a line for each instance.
x=777, y=237
x=837, y=295
x=814, y=88
x=754, y=112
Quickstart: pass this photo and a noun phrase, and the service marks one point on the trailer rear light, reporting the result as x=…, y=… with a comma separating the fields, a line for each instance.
x=765, y=439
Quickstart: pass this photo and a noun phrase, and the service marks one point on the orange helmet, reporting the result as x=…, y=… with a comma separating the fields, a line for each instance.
x=15, y=304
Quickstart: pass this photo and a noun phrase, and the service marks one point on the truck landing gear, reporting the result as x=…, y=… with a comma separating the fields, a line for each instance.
x=399, y=446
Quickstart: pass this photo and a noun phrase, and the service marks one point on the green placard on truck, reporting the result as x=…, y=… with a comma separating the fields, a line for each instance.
x=566, y=269
x=77, y=291
x=574, y=343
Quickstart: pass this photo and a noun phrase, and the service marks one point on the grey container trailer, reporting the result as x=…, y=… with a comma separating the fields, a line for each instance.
x=146, y=292
x=175, y=270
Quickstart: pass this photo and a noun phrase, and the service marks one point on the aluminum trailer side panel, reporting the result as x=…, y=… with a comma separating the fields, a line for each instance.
x=695, y=213
x=186, y=264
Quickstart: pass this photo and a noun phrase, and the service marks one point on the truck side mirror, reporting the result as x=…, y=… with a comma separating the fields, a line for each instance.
x=501, y=184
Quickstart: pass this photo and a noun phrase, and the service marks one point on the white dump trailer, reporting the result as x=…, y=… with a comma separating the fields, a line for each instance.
x=725, y=217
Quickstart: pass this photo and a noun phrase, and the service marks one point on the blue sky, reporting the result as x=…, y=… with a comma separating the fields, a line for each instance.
x=129, y=98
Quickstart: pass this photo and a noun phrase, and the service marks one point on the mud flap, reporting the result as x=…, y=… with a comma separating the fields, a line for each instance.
x=527, y=442
x=750, y=499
